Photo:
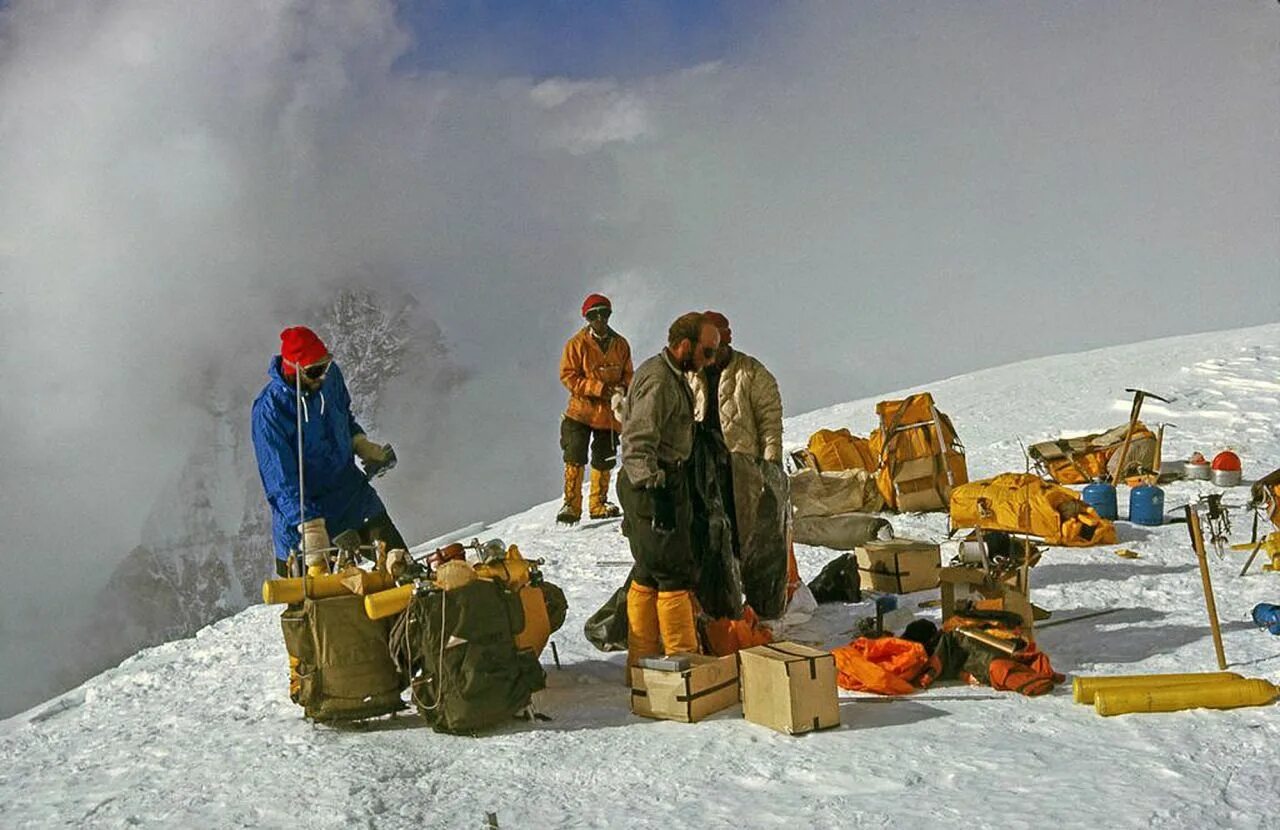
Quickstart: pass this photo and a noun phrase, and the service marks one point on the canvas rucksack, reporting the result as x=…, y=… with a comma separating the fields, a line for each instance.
x=921, y=457
x=343, y=668
x=460, y=645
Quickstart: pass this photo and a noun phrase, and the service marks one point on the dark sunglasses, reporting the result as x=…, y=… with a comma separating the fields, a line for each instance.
x=316, y=371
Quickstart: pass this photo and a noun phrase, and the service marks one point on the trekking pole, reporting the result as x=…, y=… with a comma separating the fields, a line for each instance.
x=1197, y=541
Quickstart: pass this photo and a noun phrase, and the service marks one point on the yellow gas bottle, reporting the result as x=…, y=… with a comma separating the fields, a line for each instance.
x=388, y=603
x=1220, y=694
x=295, y=589
x=1084, y=688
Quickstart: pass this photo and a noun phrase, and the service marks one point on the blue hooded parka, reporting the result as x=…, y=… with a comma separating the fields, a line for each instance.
x=335, y=488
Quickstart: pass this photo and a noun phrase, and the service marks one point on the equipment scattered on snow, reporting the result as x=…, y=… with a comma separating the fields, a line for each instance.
x=1092, y=457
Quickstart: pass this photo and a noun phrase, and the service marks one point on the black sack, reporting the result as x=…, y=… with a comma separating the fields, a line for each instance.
x=719, y=582
x=607, y=628
x=838, y=581
x=463, y=641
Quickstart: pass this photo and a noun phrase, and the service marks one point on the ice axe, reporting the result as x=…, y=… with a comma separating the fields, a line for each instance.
x=1139, y=395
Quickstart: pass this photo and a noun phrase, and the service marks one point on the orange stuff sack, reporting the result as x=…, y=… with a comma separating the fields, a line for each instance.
x=1027, y=673
x=1025, y=503
x=884, y=665
x=838, y=449
x=725, y=636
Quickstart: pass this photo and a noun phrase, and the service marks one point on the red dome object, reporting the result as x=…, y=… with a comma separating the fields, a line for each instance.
x=1226, y=460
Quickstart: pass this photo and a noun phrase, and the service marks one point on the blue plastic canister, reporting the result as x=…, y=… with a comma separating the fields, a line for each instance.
x=1146, y=505
x=1101, y=496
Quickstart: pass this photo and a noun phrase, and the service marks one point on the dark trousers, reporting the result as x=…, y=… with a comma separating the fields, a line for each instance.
x=576, y=437
x=663, y=560
x=379, y=528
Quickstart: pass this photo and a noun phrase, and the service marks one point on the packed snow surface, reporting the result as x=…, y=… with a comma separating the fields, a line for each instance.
x=200, y=732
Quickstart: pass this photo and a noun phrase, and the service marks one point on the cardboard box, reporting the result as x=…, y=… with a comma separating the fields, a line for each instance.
x=789, y=687
x=708, y=685
x=900, y=566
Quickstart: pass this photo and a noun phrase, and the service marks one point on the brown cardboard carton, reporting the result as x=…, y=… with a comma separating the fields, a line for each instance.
x=900, y=566
x=789, y=687
x=708, y=685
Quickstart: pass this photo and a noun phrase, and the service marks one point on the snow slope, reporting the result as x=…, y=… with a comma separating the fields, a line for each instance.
x=200, y=733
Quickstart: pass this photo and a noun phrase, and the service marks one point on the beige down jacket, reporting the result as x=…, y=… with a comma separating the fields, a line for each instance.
x=750, y=407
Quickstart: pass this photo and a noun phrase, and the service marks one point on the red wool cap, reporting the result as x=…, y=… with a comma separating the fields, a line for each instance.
x=299, y=346
x=595, y=301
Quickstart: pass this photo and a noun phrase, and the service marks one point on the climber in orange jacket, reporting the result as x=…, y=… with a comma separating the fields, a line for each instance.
x=595, y=368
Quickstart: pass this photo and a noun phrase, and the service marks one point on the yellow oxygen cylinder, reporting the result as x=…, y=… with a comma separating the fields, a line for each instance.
x=290, y=591
x=1084, y=688
x=388, y=603
x=1221, y=694
x=537, y=624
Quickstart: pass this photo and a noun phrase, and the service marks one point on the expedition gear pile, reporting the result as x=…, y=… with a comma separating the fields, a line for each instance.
x=1091, y=457
x=464, y=638
x=915, y=455
x=1027, y=504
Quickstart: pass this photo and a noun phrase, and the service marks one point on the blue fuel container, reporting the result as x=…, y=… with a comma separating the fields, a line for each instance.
x=1266, y=615
x=1146, y=505
x=1101, y=496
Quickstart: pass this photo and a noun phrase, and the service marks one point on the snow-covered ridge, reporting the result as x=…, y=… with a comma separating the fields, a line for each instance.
x=199, y=732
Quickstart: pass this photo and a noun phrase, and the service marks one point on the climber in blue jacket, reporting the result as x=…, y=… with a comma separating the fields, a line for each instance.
x=338, y=494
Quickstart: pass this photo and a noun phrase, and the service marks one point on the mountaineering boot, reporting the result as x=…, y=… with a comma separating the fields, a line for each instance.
x=676, y=622
x=598, y=502
x=643, y=639
x=571, y=511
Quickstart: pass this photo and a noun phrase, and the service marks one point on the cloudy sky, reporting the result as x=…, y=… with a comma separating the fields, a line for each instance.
x=876, y=193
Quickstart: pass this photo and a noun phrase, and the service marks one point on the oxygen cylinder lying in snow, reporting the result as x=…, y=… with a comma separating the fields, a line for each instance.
x=1084, y=688
x=1220, y=694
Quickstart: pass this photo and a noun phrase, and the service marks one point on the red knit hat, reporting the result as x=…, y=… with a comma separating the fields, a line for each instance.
x=299, y=346
x=595, y=301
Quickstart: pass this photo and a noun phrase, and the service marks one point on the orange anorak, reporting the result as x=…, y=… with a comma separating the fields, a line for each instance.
x=589, y=373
